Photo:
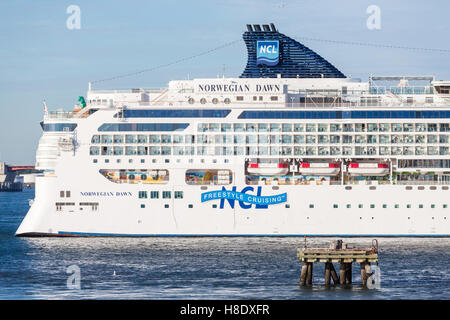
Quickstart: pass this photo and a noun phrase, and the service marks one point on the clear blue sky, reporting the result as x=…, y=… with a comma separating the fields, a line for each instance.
x=41, y=59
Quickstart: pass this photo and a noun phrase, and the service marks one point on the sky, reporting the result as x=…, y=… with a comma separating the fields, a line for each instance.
x=41, y=58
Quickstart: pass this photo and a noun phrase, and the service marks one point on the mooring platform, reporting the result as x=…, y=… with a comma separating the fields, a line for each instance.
x=337, y=253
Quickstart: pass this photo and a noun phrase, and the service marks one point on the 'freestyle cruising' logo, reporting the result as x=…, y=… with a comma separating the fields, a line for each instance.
x=267, y=52
x=245, y=200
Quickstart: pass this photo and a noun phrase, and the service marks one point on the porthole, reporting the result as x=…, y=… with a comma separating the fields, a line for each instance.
x=215, y=100
x=202, y=100
x=227, y=100
x=191, y=100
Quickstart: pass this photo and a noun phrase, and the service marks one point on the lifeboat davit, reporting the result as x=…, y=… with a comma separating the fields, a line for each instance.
x=368, y=169
x=268, y=169
x=319, y=168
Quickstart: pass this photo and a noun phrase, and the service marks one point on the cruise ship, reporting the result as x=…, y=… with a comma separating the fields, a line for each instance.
x=291, y=147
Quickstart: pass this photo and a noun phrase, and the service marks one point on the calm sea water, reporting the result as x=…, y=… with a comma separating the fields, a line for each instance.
x=200, y=268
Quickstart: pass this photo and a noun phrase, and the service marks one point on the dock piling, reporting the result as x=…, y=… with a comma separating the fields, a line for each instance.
x=337, y=252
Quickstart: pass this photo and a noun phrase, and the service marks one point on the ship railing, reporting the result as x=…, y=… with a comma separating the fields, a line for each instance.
x=58, y=115
x=423, y=182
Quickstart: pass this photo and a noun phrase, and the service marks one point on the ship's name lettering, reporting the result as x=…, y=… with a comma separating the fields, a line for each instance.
x=238, y=88
x=107, y=194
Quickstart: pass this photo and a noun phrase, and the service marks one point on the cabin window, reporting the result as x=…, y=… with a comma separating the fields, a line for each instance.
x=178, y=194
x=142, y=194
x=154, y=194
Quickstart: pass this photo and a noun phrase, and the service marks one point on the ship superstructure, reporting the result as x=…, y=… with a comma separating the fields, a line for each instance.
x=292, y=147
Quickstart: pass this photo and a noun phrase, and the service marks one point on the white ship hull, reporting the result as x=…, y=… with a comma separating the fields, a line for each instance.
x=120, y=216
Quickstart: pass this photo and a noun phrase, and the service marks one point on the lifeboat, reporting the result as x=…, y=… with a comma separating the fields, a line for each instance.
x=368, y=169
x=319, y=168
x=268, y=169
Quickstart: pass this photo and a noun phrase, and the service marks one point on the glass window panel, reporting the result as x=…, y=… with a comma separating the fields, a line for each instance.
x=118, y=138
x=178, y=138
x=275, y=127
x=383, y=127
x=335, y=127
x=299, y=127
x=239, y=127
x=372, y=127
x=323, y=139
x=155, y=151
x=106, y=138
x=118, y=151
x=323, y=127
x=263, y=138
x=287, y=127
x=214, y=127
x=253, y=139
x=299, y=151
x=431, y=138
x=310, y=139
x=239, y=139
x=93, y=151
x=286, y=139
x=130, y=138
x=130, y=150
x=155, y=139
x=95, y=139
x=299, y=138
x=165, y=138
x=310, y=127
x=226, y=127
x=263, y=127
x=420, y=127
x=251, y=127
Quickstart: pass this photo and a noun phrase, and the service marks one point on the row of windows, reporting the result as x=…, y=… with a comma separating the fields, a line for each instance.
x=261, y=150
x=360, y=114
x=174, y=113
x=424, y=163
x=385, y=206
x=269, y=139
x=323, y=127
x=57, y=127
x=143, y=126
x=165, y=195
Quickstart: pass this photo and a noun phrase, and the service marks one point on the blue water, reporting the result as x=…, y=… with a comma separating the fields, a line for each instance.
x=201, y=268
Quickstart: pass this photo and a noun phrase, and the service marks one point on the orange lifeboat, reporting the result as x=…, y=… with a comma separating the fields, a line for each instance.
x=268, y=169
x=319, y=168
x=368, y=169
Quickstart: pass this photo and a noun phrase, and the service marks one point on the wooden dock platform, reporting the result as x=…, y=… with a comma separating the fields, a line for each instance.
x=338, y=252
